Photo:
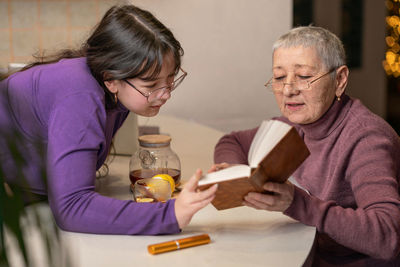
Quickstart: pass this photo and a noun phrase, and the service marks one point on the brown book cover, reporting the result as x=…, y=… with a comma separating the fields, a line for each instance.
x=283, y=159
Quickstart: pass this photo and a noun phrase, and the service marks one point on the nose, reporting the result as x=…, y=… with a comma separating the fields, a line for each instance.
x=289, y=86
x=290, y=89
x=166, y=94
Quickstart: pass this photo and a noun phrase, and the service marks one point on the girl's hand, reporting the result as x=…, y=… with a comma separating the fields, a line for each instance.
x=280, y=199
x=191, y=200
x=219, y=166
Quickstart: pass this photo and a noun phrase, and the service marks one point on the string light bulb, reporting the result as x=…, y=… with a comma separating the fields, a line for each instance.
x=391, y=63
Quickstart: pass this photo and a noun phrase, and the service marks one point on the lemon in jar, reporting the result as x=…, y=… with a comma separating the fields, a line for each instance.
x=167, y=178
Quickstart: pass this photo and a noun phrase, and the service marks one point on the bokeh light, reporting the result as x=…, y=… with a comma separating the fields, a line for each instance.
x=391, y=64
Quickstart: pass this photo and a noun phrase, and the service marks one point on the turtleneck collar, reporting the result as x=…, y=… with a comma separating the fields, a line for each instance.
x=329, y=121
x=119, y=108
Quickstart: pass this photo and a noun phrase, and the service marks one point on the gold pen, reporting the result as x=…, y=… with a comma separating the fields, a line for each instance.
x=179, y=244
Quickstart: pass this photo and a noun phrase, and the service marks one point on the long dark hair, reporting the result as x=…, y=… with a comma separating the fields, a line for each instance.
x=128, y=42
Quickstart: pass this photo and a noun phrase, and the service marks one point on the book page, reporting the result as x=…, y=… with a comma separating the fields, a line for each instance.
x=293, y=181
x=230, y=173
x=270, y=134
x=261, y=132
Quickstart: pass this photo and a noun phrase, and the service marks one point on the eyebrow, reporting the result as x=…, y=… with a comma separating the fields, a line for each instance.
x=152, y=79
x=297, y=66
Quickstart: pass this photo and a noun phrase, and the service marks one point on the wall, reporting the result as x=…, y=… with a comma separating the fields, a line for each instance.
x=30, y=26
x=228, y=57
x=227, y=47
x=367, y=83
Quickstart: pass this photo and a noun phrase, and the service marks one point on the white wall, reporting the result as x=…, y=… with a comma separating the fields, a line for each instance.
x=227, y=47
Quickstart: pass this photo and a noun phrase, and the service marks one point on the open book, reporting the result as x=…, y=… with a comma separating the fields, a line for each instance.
x=275, y=153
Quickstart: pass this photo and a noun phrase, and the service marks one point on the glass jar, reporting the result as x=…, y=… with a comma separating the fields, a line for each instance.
x=154, y=156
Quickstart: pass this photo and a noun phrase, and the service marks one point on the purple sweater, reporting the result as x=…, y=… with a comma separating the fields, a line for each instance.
x=352, y=176
x=63, y=106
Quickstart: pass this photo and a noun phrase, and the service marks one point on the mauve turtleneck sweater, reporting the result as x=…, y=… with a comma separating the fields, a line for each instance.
x=352, y=177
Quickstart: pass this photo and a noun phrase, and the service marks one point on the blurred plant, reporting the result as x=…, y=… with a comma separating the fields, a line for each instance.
x=19, y=222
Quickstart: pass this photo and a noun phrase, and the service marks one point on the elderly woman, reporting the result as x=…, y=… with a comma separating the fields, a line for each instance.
x=351, y=179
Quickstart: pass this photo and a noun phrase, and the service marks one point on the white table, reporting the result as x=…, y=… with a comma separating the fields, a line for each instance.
x=239, y=237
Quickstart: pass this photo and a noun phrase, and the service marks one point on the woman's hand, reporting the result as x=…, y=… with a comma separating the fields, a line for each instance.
x=191, y=200
x=280, y=199
x=219, y=166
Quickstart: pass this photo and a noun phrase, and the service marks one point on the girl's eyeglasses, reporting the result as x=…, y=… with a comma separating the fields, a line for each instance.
x=159, y=92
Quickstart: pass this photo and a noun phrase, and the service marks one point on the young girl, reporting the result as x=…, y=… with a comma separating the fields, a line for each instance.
x=75, y=102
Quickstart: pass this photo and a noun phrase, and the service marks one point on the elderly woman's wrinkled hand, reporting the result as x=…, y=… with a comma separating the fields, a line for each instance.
x=279, y=199
x=191, y=200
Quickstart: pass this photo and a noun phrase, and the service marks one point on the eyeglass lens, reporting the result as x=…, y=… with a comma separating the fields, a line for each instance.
x=298, y=85
x=301, y=85
x=158, y=93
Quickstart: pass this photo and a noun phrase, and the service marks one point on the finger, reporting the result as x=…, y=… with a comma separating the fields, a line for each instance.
x=275, y=187
x=191, y=185
x=249, y=204
x=267, y=199
x=260, y=196
x=198, y=174
x=285, y=189
x=206, y=193
x=222, y=165
x=218, y=166
x=201, y=204
x=212, y=169
x=254, y=203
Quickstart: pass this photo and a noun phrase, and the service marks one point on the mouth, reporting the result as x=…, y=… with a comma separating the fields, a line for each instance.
x=156, y=105
x=294, y=105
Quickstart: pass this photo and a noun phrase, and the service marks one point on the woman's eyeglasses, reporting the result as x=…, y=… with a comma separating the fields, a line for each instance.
x=159, y=92
x=301, y=85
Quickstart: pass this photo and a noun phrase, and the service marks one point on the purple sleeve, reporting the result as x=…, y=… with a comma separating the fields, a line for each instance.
x=76, y=133
x=234, y=147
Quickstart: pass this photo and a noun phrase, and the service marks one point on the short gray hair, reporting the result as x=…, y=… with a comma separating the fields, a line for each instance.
x=328, y=45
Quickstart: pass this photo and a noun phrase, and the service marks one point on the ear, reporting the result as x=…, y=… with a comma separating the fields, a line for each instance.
x=342, y=75
x=112, y=86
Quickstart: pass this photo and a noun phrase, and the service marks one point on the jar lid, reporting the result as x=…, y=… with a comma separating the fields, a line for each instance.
x=154, y=140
